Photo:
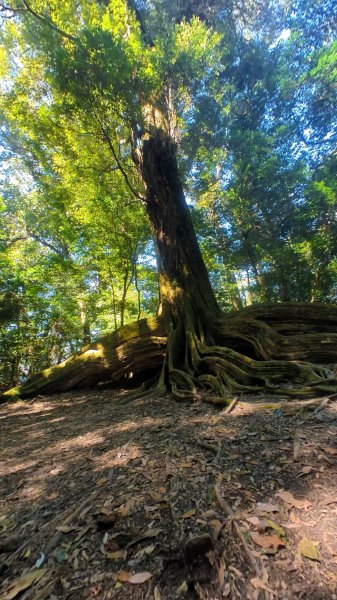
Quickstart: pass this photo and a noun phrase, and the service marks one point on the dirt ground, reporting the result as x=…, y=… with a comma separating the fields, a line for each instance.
x=163, y=500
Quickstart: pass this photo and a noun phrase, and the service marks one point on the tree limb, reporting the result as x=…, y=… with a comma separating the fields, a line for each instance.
x=50, y=24
x=114, y=154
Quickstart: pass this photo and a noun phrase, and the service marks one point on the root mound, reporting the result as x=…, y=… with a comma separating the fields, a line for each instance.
x=287, y=349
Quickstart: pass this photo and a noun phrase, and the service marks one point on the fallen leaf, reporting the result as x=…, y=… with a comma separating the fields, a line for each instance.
x=267, y=541
x=53, y=496
x=163, y=504
x=124, y=576
x=150, y=533
x=216, y=526
x=40, y=560
x=330, y=450
x=125, y=509
x=156, y=496
x=81, y=533
x=116, y=555
x=253, y=520
x=189, y=514
x=145, y=551
x=294, y=518
x=266, y=507
x=22, y=583
x=96, y=590
x=156, y=593
x=276, y=527
x=182, y=589
x=140, y=577
x=102, y=480
x=258, y=584
x=221, y=572
x=4, y=523
x=297, y=449
x=118, y=585
x=307, y=548
x=61, y=555
x=288, y=498
x=65, y=528
x=305, y=470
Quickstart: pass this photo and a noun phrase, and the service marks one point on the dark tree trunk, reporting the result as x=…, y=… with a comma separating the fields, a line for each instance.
x=182, y=271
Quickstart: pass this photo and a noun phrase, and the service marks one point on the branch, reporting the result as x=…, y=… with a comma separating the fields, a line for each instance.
x=50, y=24
x=14, y=240
x=62, y=253
x=5, y=8
x=114, y=154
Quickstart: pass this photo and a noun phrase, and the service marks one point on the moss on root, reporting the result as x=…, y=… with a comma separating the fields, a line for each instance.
x=124, y=354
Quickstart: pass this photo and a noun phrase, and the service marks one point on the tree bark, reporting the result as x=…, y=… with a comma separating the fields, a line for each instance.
x=182, y=271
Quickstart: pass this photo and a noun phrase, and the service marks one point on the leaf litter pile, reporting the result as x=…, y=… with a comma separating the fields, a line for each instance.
x=164, y=500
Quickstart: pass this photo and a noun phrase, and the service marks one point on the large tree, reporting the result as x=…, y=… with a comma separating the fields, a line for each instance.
x=132, y=77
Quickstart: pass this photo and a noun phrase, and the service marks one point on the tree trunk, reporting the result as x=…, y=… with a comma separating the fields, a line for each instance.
x=182, y=272
x=234, y=291
x=193, y=350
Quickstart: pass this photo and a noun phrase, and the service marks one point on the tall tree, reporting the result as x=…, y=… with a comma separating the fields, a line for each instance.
x=128, y=77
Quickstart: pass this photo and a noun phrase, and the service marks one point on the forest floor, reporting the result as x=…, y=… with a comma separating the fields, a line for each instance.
x=104, y=500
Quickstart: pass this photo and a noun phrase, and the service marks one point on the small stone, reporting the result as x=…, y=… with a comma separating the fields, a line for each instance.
x=197, y=546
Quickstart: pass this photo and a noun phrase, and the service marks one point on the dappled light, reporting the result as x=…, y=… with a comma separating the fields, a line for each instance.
x=154, y=483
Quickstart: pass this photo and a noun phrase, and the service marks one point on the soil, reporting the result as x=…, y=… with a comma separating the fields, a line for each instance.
x=160, y=500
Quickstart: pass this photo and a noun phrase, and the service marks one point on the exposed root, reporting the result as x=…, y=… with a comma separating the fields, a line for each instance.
x=123, y=356
x=209, y=359
x=203, y=371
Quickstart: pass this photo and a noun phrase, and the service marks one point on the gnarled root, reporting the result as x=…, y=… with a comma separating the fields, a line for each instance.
x=270, y=356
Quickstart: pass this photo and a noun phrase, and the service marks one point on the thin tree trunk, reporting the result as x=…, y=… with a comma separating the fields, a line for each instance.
x=137, y=289
x=234, y=291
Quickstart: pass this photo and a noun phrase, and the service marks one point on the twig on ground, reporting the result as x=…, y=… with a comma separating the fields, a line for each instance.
x=230, y=407
x=287, y=405
x=207, y=446
x=323, y=402
x=230, y=513
x=67, y=521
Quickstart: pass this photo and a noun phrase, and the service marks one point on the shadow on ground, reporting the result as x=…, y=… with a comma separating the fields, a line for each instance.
x=93, y=492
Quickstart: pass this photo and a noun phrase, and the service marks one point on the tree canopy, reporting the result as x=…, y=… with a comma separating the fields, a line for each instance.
x=103, y=104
